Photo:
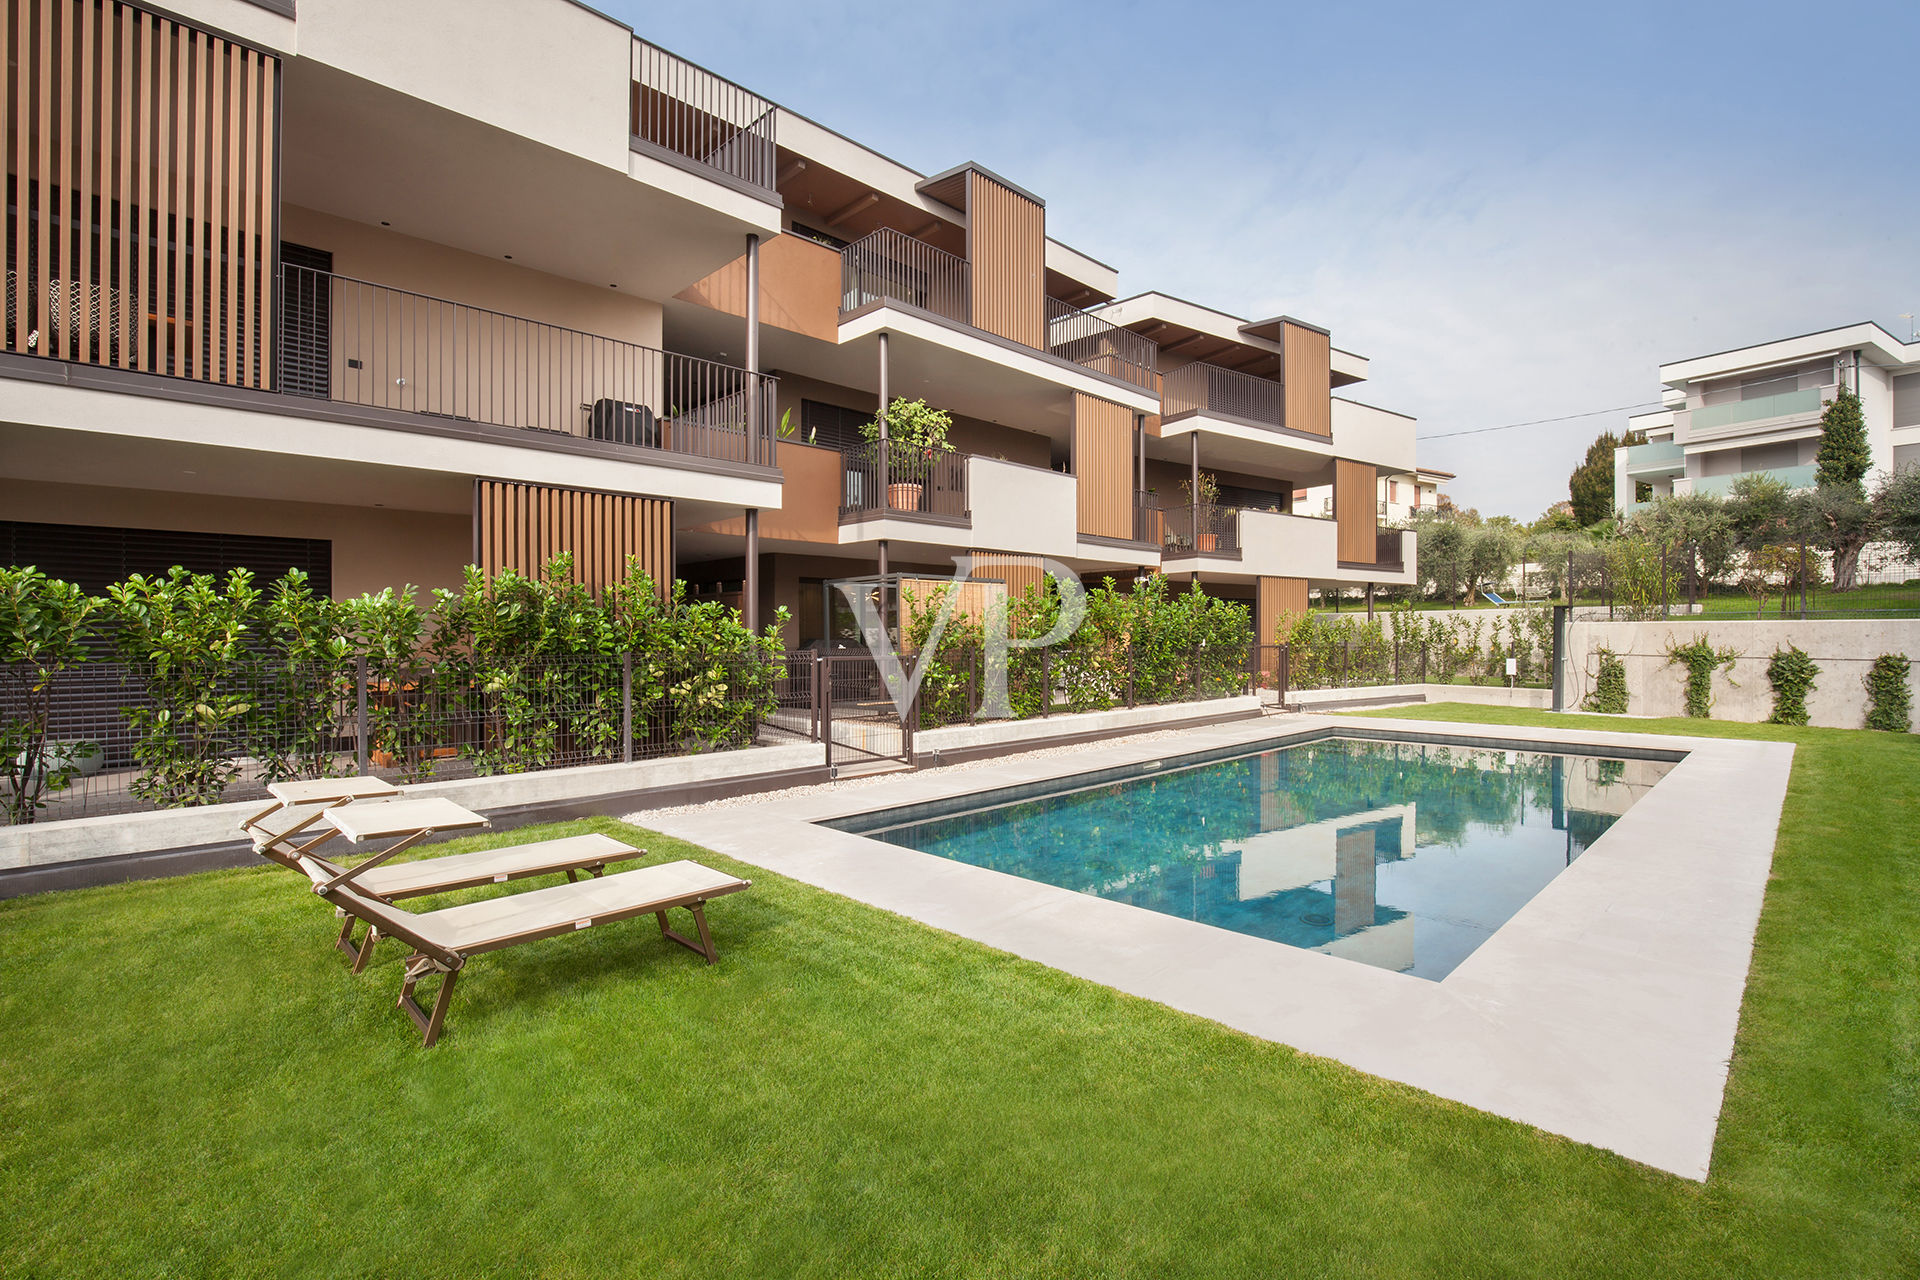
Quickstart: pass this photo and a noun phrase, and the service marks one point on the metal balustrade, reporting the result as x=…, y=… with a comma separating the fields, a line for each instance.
x=892, y=266
x=1208, y=528
x=885, y=478
x=685, y=110
x=1204, y=388
x=1100, y=345
x=354, y=342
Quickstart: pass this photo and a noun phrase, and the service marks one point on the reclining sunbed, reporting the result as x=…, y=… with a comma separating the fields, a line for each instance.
x=443, y=941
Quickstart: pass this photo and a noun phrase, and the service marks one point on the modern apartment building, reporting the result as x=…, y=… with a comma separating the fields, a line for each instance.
x=1758, y=409
x=377, y=290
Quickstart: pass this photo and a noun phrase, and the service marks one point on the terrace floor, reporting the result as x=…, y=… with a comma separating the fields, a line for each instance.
x=196, y=1086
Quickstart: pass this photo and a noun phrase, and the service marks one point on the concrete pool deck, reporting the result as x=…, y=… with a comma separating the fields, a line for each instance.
x=1604, y=1010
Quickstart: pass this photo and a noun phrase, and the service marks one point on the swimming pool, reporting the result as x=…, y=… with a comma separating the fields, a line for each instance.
x=1404, y=855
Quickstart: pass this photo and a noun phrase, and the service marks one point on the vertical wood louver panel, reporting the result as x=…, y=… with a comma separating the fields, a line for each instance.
x=523, y=526
x=1355, y=511
x=1006, y=250
x=141, y=155
x=1103, y=466
x=1277, y=599
x=1307, y=380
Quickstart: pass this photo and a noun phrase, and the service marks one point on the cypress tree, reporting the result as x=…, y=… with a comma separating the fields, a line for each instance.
x=1844, y=457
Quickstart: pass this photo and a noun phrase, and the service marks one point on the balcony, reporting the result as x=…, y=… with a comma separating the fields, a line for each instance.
x=884, y=481
x=1212, y=390
x=1208, y=529
x=686, y=115
x=357, y=343
x=1805, y=477
x=1660, y=458
x=889, y=266
x=1715, y=417
x=1082, y=338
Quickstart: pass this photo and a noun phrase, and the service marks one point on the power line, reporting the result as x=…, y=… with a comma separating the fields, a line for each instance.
x=1535, y=422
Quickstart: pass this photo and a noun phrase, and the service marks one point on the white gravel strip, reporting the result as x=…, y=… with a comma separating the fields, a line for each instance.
x=640, y=817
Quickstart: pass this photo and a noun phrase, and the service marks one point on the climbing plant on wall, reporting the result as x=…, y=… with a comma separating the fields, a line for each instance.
x=1609, y=694
x=1889, y=703
x=1701, y=660
x=1791, y=673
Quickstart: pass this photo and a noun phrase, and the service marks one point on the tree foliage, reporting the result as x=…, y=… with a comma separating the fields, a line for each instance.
x=1590, y=487
x=1845, y=457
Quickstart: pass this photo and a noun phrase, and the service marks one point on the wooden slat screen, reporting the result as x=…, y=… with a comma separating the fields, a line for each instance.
x=523, y=526
x=1103, y=466
x=140, y=165
x=1019, y=573
x=1007, y=250
x=1275, y=599
x=1356, y=510
x=1306, y=356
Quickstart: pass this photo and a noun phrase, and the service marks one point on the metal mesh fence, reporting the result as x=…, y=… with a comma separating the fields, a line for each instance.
x=1635, y=581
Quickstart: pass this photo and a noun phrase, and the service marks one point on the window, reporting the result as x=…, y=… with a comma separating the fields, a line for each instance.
x=95, y=556
x=832, y=426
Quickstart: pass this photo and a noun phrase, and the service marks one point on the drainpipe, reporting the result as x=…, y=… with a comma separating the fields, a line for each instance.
x=885, y=473
x=750, y=586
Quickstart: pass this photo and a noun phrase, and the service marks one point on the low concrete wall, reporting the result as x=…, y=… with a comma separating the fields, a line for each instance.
x=1483, y=695
x=117, y=835
x=1844, y=649
x=120, y=835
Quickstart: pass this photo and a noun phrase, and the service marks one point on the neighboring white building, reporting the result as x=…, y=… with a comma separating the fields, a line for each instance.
x=1757, y=409
x=1401, y=495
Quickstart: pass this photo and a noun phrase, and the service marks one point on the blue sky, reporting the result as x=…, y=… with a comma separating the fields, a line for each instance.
x=1516, y=212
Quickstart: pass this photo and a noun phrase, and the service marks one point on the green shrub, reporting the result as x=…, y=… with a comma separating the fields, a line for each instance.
x=1609, y=693
x=1791, y=673
x=1889, y=703
x=43, y=627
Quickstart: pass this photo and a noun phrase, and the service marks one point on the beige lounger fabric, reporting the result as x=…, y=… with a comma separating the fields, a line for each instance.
x=493, y=866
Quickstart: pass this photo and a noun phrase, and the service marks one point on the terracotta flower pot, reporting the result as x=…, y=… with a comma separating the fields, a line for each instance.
x=903, y=497
x=1209, y=542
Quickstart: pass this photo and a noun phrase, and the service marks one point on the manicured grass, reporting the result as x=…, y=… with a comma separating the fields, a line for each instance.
x=196, y=1086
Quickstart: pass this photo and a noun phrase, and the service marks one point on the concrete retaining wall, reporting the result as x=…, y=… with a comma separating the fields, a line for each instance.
x=1483, y=695
x=118, y=835
x=1844, y=648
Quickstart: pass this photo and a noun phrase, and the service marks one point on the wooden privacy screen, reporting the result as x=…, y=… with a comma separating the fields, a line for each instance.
x=1007, y=250
x=1277, y=598
x=1356, y=511
x=1103, y=465
x=1018, y=572
x=522, y=526
x=1306, y=356
x=140, y=227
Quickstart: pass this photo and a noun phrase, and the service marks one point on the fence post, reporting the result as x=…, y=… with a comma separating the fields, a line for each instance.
x=1664, y=553
x=1803, y=580
x=823, y=696
x=1560, y=612
x=1423, y=662
x=626, y=707
x=1569, y=577
x=360, y=751
x=1046, y=680
x=1131, y=684
x=1193, y=668
x=1286, y=674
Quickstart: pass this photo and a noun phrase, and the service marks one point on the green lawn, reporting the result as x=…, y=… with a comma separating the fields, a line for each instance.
x=195, y=1086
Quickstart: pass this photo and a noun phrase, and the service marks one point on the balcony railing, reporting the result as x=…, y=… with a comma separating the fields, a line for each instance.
x=892, y=266
x=1208, y=529
x=1714, y=416
x=1386, y=549
x=687, y=111
x=353, y=342
x=1203, y=388
x=1086, y=339
x=888, y=479
x=1149, y=521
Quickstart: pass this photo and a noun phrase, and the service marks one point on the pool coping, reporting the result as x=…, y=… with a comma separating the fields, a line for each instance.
x=1604, y=1010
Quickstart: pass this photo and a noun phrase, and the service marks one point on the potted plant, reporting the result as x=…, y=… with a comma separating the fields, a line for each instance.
x=1205, y=538
x=916, y=435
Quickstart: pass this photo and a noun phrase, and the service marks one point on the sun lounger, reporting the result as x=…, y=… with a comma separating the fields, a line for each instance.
x=317, y=795
x=397, y=880
x=443, y=941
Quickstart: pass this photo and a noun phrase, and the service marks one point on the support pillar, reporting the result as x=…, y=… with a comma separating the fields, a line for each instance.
x=750, y=587
x=755, y=427
x=1369, y=602
x=885, y=475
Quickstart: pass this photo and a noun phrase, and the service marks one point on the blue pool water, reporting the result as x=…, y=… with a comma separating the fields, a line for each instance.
x=1405, y=855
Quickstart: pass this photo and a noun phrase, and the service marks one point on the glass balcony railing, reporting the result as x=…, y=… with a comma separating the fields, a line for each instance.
x=1661, y=455
x=1792, y=477
x=1714, y=416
